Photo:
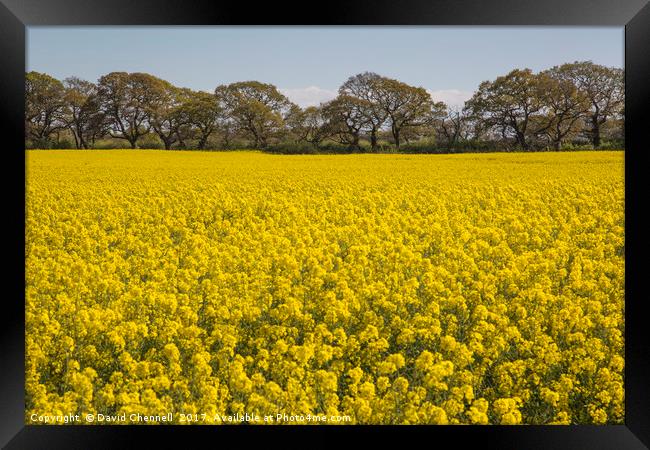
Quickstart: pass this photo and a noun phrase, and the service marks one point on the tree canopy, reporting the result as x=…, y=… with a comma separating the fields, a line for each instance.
x=579, y=103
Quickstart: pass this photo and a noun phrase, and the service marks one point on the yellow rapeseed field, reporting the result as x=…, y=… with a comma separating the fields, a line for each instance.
x=393, y=289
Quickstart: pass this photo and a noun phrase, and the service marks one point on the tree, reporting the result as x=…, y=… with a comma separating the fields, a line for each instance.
x=127, y=101
x=83, y=115
x=227, y=131
x=366, y=86
x=202, y=114
x=564, y=107
x=293, y=124
x=476, y=129
x=406, y=106
x=453, y=127
x=604, y=88
x=346, y=117
x=510, y=104
x=44, y=107
x=257, y=109
x=310, y=125
x=165, y=112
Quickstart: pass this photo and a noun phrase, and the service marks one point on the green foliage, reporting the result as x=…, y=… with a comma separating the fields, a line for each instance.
x=151, y=141
x=293, y=148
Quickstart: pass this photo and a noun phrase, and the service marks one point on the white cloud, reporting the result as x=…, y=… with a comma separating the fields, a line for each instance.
x=309, y=96
x=452, y=97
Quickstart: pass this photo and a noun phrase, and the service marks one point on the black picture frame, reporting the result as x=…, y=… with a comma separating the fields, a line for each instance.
x=634, y=15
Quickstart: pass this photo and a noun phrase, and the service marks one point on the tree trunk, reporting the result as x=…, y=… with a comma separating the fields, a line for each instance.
x=396, y=137
x=521, y=139
x=355, y=141
x=373, y=139
x=77, y=143
x=595, y=132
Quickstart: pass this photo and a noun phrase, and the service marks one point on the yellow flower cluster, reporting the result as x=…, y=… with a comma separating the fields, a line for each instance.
x=395, y=289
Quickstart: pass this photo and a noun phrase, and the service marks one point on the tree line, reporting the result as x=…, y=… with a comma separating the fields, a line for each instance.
x=575, y=104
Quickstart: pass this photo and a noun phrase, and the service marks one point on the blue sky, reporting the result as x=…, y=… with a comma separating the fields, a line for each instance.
x=309, y=63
